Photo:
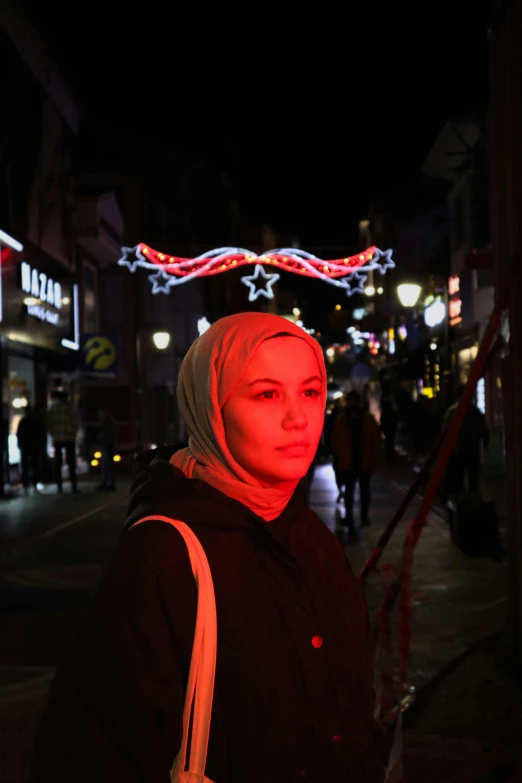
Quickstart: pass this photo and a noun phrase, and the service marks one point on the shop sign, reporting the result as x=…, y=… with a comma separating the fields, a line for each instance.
x=40, y=286
x=40, y=301
x=99, y=353
x=454, y=301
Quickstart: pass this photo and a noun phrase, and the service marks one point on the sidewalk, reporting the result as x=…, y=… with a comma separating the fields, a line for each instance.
x=465, y=724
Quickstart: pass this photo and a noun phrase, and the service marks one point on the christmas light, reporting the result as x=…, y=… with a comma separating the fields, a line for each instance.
x=251, y=282
x=345, y=273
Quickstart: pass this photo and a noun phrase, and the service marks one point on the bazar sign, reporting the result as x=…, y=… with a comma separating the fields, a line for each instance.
x=41, y=287
x=43, y=313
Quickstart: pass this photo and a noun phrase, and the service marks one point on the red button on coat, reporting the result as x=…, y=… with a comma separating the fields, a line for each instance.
x=317, y=642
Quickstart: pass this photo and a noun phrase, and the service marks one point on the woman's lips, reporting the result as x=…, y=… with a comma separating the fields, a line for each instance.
x=296, y=450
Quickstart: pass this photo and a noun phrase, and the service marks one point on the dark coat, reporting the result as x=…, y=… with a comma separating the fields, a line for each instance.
x=293, y=696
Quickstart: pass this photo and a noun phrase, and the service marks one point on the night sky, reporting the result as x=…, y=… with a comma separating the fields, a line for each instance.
x=315, y=115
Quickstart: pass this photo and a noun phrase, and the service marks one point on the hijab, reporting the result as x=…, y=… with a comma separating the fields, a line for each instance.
x=211, y=370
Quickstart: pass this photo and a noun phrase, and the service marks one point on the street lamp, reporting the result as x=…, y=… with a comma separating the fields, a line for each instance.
x=408, y=294
x=161, y=340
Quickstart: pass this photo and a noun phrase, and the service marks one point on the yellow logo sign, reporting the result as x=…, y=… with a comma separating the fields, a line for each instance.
x=100, y=353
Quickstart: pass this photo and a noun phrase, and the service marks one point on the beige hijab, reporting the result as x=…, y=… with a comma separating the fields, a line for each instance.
x=210, y=372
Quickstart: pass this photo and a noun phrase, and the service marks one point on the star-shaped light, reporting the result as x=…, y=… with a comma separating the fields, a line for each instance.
x=383, y=259
x=132, y=257
x=250, y=282
x=161, y=282
x=356, y=289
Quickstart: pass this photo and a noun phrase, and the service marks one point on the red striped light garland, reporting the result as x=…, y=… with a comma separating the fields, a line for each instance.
x=174, y=270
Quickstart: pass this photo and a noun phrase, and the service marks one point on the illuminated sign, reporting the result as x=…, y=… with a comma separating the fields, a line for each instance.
x=7, y=240
x=45, y=301
x=40, y=286
x=454, y=301
x=99, y=353
x=434, y=314
x=453, y=285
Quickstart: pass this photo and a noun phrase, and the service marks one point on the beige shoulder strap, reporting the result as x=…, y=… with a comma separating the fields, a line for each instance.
x=200, y=687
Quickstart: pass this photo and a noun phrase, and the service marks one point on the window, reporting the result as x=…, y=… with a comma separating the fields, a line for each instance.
x=90, y=311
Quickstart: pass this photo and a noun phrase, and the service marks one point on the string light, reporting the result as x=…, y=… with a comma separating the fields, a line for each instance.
x=175, y=270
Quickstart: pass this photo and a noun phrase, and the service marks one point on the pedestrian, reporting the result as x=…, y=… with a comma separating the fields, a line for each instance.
x=107, y=442
x=331, y=418
x=463, y=471
x=293, y=695
x=30, y=437
x=62, y=426
x=356, y=441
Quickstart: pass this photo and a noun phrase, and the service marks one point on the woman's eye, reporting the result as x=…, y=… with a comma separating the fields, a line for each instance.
x=267, y=395
x=312, y=393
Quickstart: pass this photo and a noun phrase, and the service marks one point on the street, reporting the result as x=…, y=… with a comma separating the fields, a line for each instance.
x=53, y=550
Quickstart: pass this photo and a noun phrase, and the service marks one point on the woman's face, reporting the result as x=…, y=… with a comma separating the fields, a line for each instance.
x=274, y=418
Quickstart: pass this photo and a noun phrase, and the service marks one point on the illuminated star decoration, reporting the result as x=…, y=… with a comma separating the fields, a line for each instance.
x=347, y=273
x=383, y=260
x=132, y=258
x=250, y=282
x=160, y=282
x=360, y=280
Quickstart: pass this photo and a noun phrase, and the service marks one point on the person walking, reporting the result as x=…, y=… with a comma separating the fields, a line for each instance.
x=356, y=442
x=293, y=694
x=62, y=426
x=107, y=441
x=31, y=437
x=463, y=470
x=338, y=407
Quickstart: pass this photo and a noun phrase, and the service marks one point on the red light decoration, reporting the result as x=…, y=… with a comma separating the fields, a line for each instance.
x=174, y=270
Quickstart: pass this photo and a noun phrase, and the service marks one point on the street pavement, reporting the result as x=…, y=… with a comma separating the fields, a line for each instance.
x=465, y=723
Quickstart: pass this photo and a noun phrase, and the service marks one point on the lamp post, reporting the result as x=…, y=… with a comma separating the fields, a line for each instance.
x=161, y=340
x=408, y=294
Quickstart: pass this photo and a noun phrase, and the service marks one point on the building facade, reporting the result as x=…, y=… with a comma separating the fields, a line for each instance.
x=40, y=285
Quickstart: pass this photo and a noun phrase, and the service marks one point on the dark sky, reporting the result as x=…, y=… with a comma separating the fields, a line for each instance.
x=315, y=114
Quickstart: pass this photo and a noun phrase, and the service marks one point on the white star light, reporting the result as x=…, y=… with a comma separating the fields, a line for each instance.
x=132, y=257
x=250, y=282
x=383, y=259
x=157, y=280
x=356, y=289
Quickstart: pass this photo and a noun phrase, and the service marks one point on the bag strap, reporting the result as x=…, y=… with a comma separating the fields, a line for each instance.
x=200, y=687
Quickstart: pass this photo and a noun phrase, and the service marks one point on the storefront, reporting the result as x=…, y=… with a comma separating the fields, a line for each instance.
x=39, y=336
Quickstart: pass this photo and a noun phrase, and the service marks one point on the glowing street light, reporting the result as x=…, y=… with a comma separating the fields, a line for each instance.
x=408, y=294
x=161, y=340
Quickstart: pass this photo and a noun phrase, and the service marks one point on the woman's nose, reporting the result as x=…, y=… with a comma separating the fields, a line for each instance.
x=294, y=416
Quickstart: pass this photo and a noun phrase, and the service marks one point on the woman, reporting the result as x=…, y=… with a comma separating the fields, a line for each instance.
x=293, y=697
